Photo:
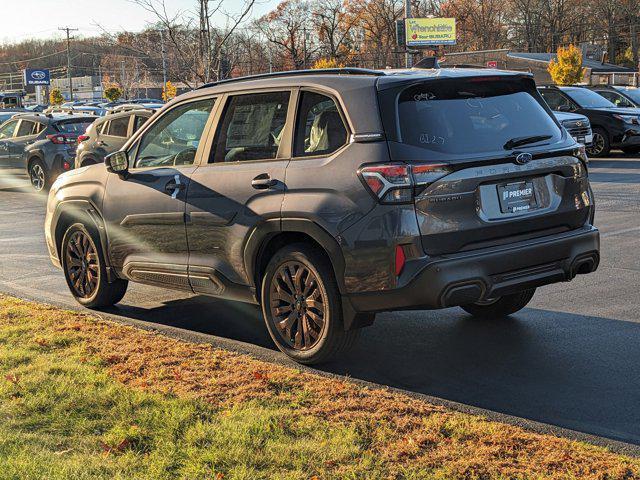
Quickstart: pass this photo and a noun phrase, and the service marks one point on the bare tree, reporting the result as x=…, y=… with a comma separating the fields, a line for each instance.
x=199, y=46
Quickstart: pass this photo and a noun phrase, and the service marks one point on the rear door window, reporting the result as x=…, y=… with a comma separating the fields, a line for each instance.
x=118, y=127
x=320, y=129
x=472, y=116
x=251, y=127
x=26, y=128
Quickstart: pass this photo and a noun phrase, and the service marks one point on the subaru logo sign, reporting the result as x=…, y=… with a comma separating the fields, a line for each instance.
x=37, y=76
x=523, y=158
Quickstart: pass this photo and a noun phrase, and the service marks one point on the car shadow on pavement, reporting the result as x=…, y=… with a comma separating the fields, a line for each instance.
x=574, y=371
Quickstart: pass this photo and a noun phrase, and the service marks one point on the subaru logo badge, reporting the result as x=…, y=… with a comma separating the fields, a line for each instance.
x=38, y=75
x=578, y=123
x=523, y=158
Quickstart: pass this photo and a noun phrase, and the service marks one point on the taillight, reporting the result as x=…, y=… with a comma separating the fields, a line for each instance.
x=82, y=138
x=395, y=183
x=59, y=139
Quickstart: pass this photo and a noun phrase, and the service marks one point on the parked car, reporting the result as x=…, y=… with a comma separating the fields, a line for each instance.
x=329, y=196
x=41, y=145
x=108, y=134
x=577, y=125
x=612, y=127
x=625, y=97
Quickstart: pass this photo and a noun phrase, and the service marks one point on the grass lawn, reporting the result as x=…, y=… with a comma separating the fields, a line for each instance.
x=83, y=398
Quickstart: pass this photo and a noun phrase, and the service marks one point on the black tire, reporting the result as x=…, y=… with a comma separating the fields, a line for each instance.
x=80, y=252
x=310, y=295
x=502, y=306
x=631, y=150
x=39, y=176
x=600, y=147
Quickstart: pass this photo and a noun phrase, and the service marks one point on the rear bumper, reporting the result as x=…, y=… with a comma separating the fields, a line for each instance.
x=467, y=278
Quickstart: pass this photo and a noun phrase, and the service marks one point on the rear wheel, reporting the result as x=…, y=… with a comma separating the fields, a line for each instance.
x=85, y=270
x=500, y=306
x=600, y=146
x=301, y=306
x=38, y=175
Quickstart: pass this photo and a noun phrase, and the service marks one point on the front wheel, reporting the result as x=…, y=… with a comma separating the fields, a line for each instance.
x=85, y=271
x=302, y=307
x=500, y=306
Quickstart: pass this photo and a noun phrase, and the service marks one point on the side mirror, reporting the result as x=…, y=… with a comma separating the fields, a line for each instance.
x=117, y=162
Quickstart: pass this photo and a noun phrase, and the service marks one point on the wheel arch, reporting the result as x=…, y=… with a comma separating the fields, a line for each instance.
x=84, y=211
x=272, y=235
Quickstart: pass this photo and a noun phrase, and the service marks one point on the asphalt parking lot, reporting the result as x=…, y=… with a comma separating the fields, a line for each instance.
x=572, y=359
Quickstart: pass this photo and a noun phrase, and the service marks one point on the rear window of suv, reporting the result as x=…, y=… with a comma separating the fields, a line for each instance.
x=474, y=115
x=74, y=127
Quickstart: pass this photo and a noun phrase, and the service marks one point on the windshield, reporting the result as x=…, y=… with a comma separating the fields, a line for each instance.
x=633, y=93
x=473, y=116
x=74, y=127
x=587, y=98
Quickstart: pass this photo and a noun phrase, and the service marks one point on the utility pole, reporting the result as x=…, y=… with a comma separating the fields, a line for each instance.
x=408, y=60
x=69, y=38
x=122, y=79
x=304, y=46
x=164, y=60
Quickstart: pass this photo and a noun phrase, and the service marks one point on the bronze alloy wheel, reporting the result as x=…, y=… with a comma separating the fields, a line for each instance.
x=298, y=305
x=82, y=264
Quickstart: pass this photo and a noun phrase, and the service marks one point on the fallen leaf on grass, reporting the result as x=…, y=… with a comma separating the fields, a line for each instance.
x=12, y=377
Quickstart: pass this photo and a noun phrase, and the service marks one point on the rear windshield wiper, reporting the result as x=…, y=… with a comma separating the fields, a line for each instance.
x=520, y=141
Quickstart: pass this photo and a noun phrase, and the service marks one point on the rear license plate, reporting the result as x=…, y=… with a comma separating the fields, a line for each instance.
x=517, y=197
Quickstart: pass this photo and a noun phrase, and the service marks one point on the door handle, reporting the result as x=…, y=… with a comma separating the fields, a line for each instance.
x=174, y=186
x=263, y=182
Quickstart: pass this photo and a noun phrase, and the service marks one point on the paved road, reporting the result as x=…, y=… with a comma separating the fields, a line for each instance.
x=572, y=359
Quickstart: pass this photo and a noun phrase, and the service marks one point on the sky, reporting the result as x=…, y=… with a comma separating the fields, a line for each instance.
x=41, y=18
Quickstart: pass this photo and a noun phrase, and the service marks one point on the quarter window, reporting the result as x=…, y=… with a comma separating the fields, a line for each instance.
x=556, y=100
x=138, y=121
x=251, y=127
x=320, y=129
x=173, y=140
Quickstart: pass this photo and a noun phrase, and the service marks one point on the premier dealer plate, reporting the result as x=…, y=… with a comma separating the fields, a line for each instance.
x=517, y=197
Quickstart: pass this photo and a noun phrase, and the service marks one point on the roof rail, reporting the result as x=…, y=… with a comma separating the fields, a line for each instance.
x=292, y=73
x=128, y=108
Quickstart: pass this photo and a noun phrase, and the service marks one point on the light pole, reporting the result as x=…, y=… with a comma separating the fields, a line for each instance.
x=408, y=60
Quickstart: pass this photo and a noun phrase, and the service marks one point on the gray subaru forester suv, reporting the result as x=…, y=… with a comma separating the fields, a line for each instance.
x=329, y=196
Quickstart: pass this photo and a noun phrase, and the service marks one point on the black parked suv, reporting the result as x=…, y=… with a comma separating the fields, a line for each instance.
x=328, y=196
x=41, y=145
x=612, y=127
x=109, y=134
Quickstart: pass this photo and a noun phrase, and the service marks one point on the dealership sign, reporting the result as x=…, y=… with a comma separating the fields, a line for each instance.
x=37, y=76
x=423, y=32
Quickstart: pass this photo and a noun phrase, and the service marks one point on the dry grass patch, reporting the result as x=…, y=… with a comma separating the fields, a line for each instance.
x=363, y=432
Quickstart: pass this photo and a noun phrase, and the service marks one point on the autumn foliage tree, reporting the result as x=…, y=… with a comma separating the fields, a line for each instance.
x=112, y=93
x=55, y=97
x=567, y=68
x=169, y=91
